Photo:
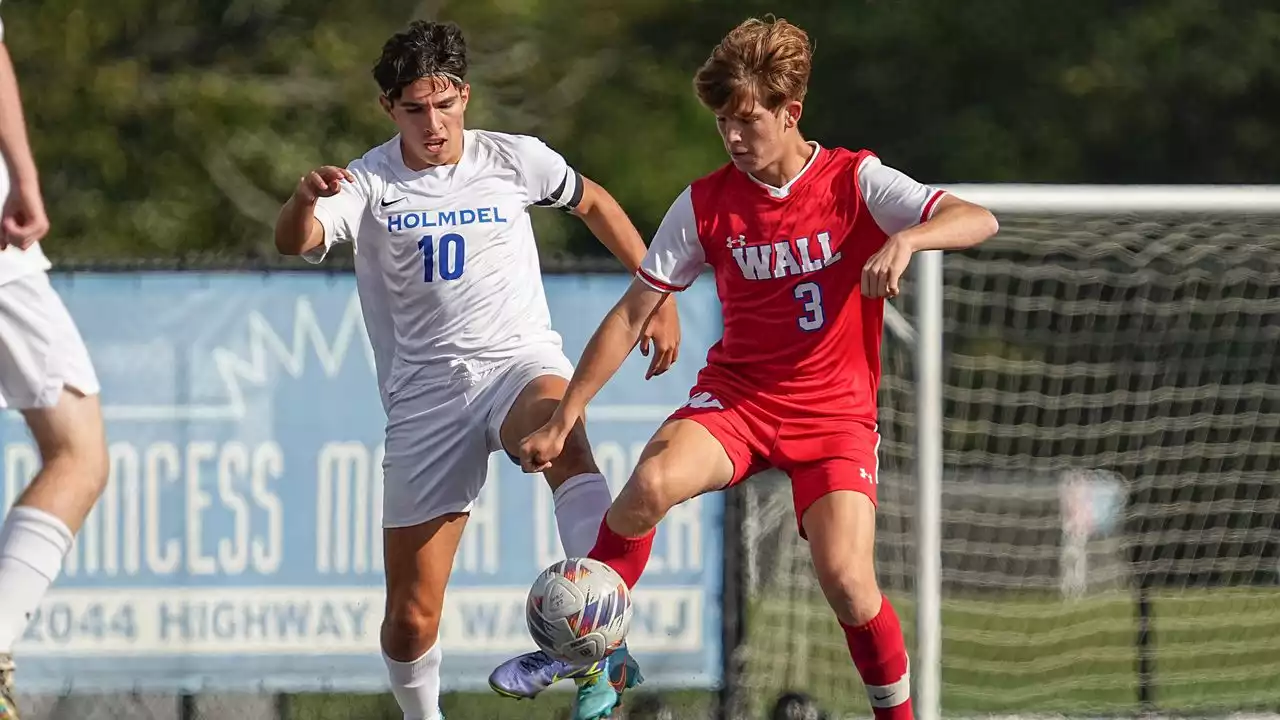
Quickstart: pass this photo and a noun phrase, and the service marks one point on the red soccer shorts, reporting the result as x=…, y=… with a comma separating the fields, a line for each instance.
x=820, y=452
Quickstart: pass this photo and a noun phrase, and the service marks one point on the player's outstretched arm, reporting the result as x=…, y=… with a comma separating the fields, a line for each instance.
x=914, y=217
x=24, y=221
x=609, y=223
x=297, y=229
x=955, y=225
x=604, y=354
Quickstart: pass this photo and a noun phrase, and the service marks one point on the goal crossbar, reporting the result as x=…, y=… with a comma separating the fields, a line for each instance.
x=1098, y=199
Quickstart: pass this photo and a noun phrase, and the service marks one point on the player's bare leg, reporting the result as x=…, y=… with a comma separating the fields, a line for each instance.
x=581, y=497
x=39, y=529
x=681, y=461
x=841, y=530
x=581, y=493
x=418, y=562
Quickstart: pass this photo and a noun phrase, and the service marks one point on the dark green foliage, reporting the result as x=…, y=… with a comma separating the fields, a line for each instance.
x=170, y=127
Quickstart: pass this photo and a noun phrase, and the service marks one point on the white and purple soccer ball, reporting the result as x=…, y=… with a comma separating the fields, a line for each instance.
x=579, y=610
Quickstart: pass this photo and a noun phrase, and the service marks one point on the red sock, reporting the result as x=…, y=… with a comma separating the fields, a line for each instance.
x=627, y=556
x=880, y=655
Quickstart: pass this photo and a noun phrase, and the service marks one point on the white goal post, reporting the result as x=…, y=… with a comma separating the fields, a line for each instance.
x=1002, y=199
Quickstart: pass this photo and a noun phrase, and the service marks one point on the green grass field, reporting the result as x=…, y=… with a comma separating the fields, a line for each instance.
x=469, y=706
x=1216, y=651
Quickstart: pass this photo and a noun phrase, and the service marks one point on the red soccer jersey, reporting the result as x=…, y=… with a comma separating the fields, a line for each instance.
x=799, y=336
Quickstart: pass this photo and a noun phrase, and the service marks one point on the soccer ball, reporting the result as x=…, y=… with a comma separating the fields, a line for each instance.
x=578, y=611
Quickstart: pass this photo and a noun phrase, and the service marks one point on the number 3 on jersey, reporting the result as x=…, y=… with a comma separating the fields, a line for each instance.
x=448, y=256
x=811, y=295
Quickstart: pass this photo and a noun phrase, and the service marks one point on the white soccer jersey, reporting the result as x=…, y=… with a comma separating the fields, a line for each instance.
x=15, y=263
x=446, y=263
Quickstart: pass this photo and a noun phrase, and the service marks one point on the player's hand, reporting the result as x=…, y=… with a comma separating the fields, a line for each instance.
x=882, y=275
x=324, y=181
x=23, y=221
x=539, y=450
x=661, y=335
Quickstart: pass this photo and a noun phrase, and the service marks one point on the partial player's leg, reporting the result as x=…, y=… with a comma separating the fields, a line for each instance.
x=681, y=461
x=835, y=503
x=708, y=444
x=581, y=496
x=580, y=492
x=418, y=562
x=436, y=463
x=45, y=371
x=684, y=459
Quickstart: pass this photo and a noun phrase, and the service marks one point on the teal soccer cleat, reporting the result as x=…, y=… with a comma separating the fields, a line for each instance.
x=601, y=694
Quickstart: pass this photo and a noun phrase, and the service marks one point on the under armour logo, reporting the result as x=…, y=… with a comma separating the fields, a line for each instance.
x=736, y=242
x=704, y=401
x=862, y=472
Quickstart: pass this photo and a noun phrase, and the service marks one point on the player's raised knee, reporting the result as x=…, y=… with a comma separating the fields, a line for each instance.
x=409, y=629
x=645, y=500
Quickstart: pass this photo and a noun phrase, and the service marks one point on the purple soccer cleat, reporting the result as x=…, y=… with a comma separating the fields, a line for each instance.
x=525, y=676
x=600, y=685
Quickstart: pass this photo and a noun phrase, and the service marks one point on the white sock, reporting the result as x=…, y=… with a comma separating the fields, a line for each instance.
x=32, y=546
x=581, y=503
x=416, y=684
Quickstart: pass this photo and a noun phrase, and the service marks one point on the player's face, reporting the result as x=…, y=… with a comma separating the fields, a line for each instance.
x=755, y=137
x=428, y=115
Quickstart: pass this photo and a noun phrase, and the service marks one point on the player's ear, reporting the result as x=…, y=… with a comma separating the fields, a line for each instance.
x=385, y=102
x=792, y=111
x=464, y=92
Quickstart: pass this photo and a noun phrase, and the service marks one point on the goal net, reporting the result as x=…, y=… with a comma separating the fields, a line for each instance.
x=1111, y=449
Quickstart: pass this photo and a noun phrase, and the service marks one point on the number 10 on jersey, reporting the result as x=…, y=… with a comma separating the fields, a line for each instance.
x=446, y=256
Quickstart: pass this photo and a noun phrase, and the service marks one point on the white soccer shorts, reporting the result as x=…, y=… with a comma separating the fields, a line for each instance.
x=41, y=351
x=439, y=438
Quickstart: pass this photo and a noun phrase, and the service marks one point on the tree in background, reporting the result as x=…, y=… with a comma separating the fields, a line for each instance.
x=170, y=127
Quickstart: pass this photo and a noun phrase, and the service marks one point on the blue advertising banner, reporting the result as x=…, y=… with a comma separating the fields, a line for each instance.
x=239, y=545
